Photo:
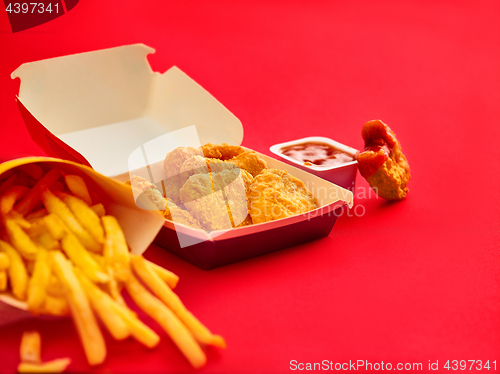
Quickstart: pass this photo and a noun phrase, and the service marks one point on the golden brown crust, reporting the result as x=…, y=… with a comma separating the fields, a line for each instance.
x=206, y=206
x=383, y=163
x=179, y=215
x=390, y=180
x=276, y=194
x=222, y=151
x=250, y=161
x=172, y=164
x=232, y=182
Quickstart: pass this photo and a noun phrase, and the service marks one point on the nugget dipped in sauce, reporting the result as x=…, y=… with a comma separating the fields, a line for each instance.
x=383, y=163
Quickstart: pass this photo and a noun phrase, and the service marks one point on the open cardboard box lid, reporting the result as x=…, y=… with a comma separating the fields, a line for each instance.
x=109, y=110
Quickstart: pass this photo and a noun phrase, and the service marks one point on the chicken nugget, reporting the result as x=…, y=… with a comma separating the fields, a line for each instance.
x=148, y=194
x=222, y=151
x=172, y=164
x=168, y=208
x=276, y=194
x=207, y=206
x=250, y=161
x=383, y=163
x=179, y=215
x=232, y=183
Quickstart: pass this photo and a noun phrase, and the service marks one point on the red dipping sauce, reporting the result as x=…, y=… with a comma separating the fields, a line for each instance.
x=317, y=154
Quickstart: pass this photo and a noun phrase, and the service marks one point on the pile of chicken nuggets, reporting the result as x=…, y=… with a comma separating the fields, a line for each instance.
x=222, y=186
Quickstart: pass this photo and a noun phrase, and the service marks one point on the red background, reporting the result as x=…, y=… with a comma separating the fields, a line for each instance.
x=405, y=282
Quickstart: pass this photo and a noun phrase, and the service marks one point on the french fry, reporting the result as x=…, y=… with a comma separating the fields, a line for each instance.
x=165, y=294
x=81, y=258
x=33, y=170
x=55, y=226
x=99, y=259
x=37, y=214
x=86, y=216
x=47, y=242
x=86, y=324
x=37, y=228
x=38, y=282
x=55, y=306
x=56, y=206
x=167, y=276
x=4, y=261
x=10, y=197
x=77, y=186
x=116, y=249
x=32, y=199
x=101, y=303
x=113, y=287
x=3, y=280
x=99, y=209
x=30, y=347
x=19, y=220
x=167, y=320
x=142, y=333
x=54, y=366
x=55, y=287
x=20, y=240
x=17, y=271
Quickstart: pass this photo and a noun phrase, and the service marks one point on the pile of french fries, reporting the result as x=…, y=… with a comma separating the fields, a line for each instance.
x=63, y=255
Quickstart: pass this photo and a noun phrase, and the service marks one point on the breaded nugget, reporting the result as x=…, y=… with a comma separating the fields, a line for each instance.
x=250, y=161
x=179, y=215
x=222, y=151
x=232, y=183
x=383, y=163
x=205, y=205
x=174, y=159
x=276, y=194
x=172, y=164
x=194, y=165
x=202, y=165
x=168, y=208
x=148, y=194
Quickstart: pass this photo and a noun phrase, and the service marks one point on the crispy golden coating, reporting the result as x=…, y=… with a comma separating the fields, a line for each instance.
x=390, y=180
x=275, y=194
x=205, y=205
x=222, y=151
x=174, y=159
x=172, y=164
x=232, y=182
x=250, y=161
x=194, y=165
x=167, y=207
x=179, y=215
x=383, y=163
x=149, y=194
